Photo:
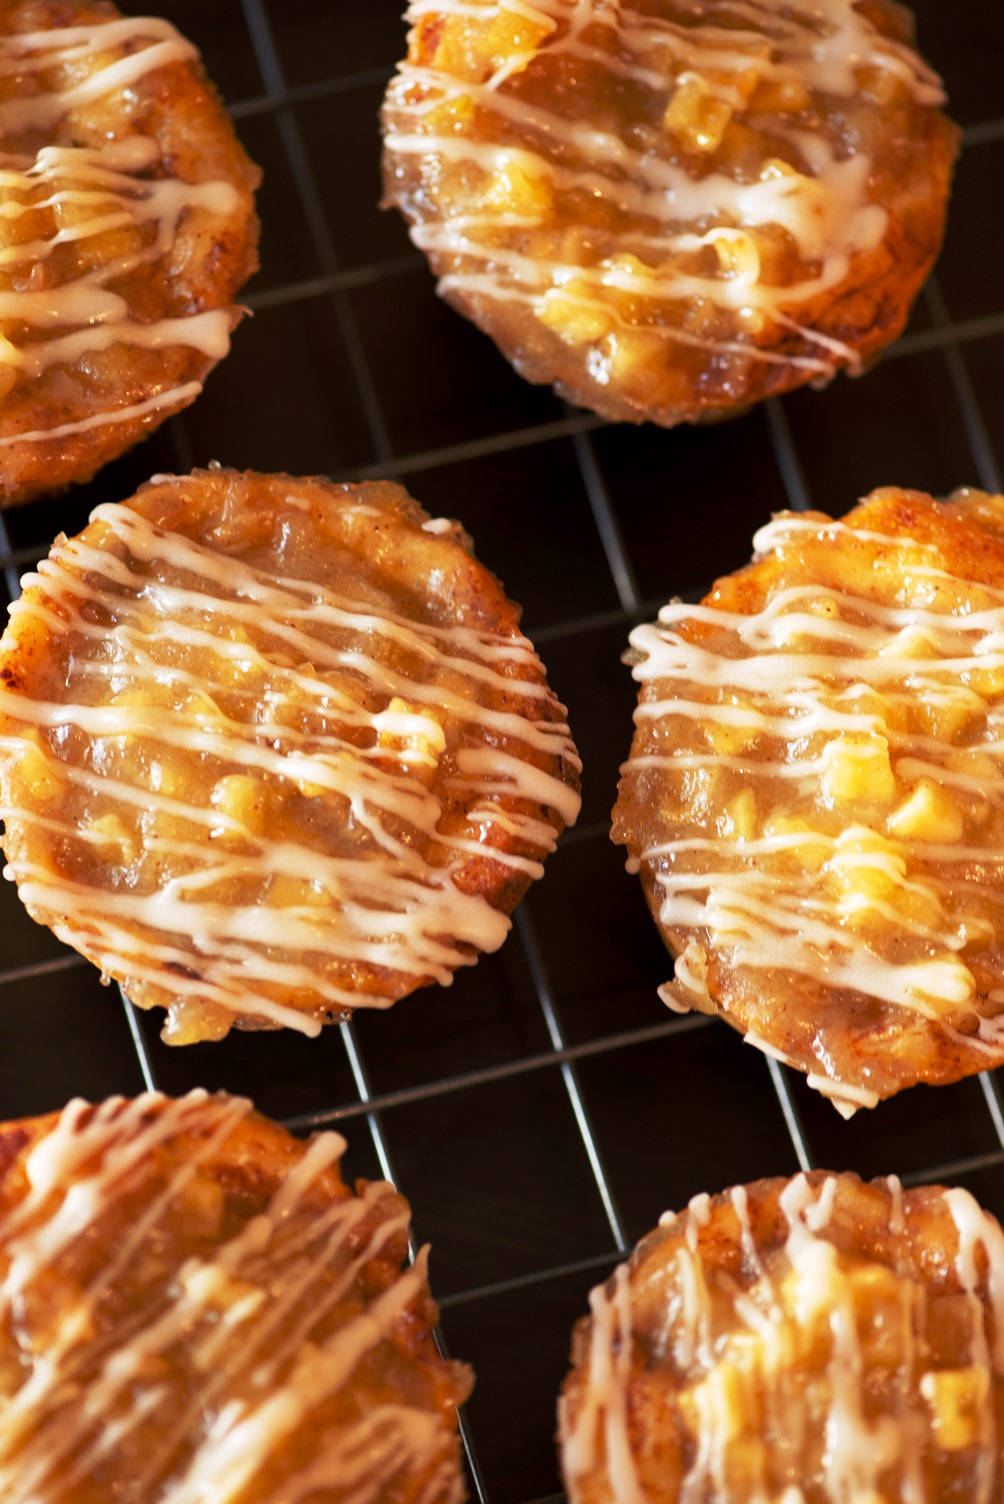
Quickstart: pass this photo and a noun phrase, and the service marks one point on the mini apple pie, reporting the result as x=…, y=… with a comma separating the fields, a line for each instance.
x=272, y=749
x=194, y=1307
x=810, y=1341
x=671, y=210
x=127, y=226
x=815, y=793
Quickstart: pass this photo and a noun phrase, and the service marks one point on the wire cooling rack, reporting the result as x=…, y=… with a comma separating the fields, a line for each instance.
x=542, y=1112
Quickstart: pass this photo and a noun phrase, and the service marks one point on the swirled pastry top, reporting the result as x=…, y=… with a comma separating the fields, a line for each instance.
x=194, y=1308
x=127, y=227
x=671, y=209
x=274, y=748
x=808, y=1341
x=813, y=795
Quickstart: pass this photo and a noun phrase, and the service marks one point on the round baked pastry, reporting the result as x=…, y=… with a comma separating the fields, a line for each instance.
x=814, y=793
x=271, y=749
x=673, y=210
x=127, y=226
x=193, y=1307
x=812, y=1340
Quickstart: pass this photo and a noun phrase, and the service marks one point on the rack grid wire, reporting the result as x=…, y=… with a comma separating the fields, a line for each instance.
x=542, y=1112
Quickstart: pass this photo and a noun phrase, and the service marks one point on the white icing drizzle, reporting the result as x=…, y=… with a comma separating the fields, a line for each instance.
x=806, y=1307
x=980, y=1234
x=857, y=1451
x=83, y=48
x=90, y=1392
x=165, y=401
x=824, y=206
x=816, y=676
x=75, y=195
x=740, y=1203
x=384, y=903
x=605, y=1409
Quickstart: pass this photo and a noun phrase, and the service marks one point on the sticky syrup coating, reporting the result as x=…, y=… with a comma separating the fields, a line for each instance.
x=135, y=222
x=671, y=211
x=274, y=748
x=808, y=1340
x=813, y=793
x=195, y=1305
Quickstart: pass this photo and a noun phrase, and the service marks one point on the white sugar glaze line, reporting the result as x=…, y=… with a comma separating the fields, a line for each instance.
x=843, y=711
x=524, y=278
x=358, y=929
x=208, y=333
x=75, y=573
x=806, y=773
x=852, y=709
x=135, y=661
x=884, y=621
x=752, y=899
x=490, y=284
x=78, y=1136
x=321, y=757
x=152, y=44
x=247, y=1434
x=61, y=1431
x=170, y=969
x=80, y=193
x=228, y=960
x=34, y=1240
x=604, y=1412
x=859, y=1453
x=359, y=1466
x=279, y=1314
x=285, y=599
x=871, y=667
x=820, y=950
x=329, y=762
x=922, y=857
x=826, y=207
x=670, y=655
x=383, y=904
x=87, y=1197
x=164, y=402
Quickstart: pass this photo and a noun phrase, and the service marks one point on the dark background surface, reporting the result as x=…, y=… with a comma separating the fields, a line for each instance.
x=542, y=1112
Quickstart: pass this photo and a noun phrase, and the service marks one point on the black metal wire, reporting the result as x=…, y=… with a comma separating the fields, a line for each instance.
x=556, y=1052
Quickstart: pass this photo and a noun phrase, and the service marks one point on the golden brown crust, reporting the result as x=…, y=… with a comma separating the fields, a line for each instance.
x=287, y=755
x=625, y=201
x=161, y=264
x=840, y=1333
x=217, y=1281
x=812, y=793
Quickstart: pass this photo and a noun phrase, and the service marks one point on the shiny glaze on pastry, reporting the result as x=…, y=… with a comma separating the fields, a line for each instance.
x=271, y=749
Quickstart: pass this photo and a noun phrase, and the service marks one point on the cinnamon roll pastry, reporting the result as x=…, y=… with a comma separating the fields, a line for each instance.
x=814, y=793
x=810, y=1340
x=193, y=1307
x=272, y=749
x=127, y=227
x=670, y=210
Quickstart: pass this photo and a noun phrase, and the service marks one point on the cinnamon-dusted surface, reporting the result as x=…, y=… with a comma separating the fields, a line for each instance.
x=275, y=748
